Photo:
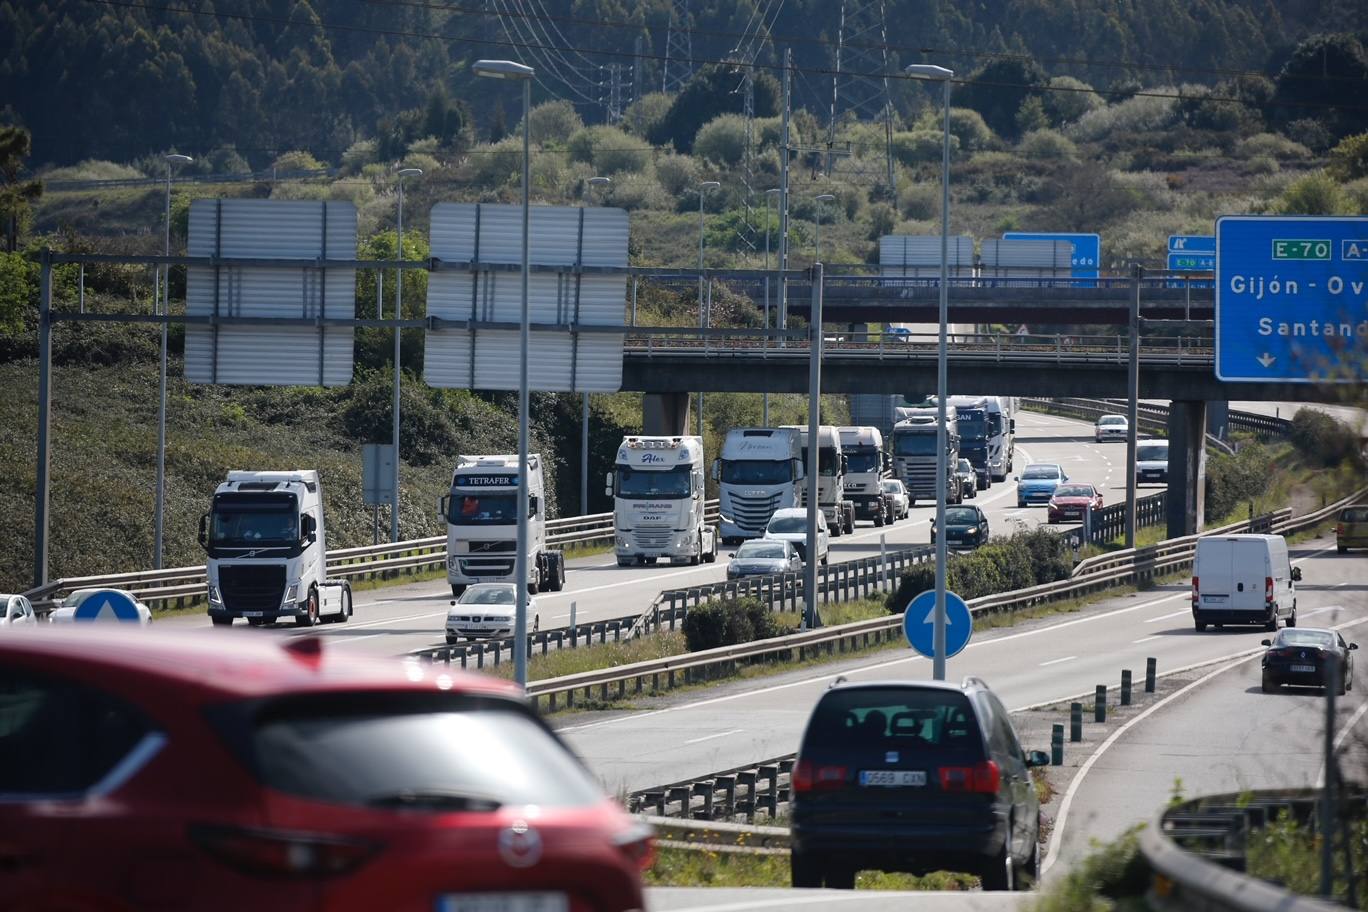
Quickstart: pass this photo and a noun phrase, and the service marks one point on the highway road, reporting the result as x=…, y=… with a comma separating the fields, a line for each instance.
x=703, y=899
x=1224, y=734
x=403, y=618
x=1037, y=662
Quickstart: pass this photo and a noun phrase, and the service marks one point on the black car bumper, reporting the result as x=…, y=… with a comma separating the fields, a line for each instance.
x=912, y=849
x=867, y=507
x=1227, y=616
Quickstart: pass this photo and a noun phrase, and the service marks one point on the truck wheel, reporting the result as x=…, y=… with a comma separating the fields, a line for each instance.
x=697, y=558
x=879, y=518
x=626, y=562
x=850, y=521
x=557, y=572
x=346, y=607
x=221, y=620
x=712, y=552
x=310, y=617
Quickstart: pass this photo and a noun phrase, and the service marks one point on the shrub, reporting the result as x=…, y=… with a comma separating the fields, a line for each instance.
x=1070, y=99
x=919, y=201
x=1142, y=113
x=1048, y=145
x=609, y=150
x=296, y=161
x=1233, y=480
x=728, y=622
x=1323, y=441
x=638, y=191
x=495, y=164
x=722, y=140
x=551, y=121
x=1271, y=144
x=1349, y=159
x=1020, y=561
x=642, y=115
x=358, y=155
x=1316, y=193
x=676, y=172
x=882, y=220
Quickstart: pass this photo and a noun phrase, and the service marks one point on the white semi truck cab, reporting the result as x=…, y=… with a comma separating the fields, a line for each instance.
x=760, y=470
x=266, y=548
x=865, y=461
x=914, y=452
x=831, y=468
x=658, y=502
x=481, y=513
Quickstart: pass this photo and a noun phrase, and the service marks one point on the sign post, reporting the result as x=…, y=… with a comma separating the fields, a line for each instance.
x=1291, y=298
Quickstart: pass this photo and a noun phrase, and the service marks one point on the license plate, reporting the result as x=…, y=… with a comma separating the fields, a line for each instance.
x=1214, y=598
x=503, y=902
x=892, y=778
x=1303, y=669
x=253, y=614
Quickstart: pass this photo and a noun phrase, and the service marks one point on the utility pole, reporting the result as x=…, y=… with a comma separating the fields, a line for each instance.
x=784, y=191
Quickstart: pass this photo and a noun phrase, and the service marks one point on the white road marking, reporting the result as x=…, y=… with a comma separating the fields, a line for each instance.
x=1165, y=617
x=734, y=731
x=1144, y=639
x=1057, y=661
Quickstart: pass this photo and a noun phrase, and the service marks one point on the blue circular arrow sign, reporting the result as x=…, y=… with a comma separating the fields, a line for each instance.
x=107, y=604
x=919, y=624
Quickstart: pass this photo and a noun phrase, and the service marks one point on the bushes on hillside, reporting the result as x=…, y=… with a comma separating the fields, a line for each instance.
x=1233, y=480
x=1322, y=440
x=1006, y=563
x=728, y=622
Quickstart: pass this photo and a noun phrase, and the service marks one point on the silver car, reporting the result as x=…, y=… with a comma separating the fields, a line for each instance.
x=487, y=610
x=16, y=611
x=790, y=524
x=764, y=557
x=897, y=494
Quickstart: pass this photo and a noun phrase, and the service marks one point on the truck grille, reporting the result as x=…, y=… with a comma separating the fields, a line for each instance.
x=490, y=547
x=752, y=514
x=486, y=566
x=652, y=538
x=919, y=477
x=252, y=587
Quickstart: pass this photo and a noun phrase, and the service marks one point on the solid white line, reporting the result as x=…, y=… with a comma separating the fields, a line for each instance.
x=1165, y=617
x=1144, y=640
x=734, y=731
x=1057, y=661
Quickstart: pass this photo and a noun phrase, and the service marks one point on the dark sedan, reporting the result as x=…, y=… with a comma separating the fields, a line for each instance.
x=965, y=527
x=1299, y=655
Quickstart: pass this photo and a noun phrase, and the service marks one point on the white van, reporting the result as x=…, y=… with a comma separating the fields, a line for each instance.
x=1151, y=461
x=1243, y=579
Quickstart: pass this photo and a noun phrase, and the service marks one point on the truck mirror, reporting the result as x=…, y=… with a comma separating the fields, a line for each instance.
x=1013, y=425
x=716, y=469
x=204, y=532
x=799, y=470
x=443, y=503
x=308, y=529
x=845, y=464
x=1296, y=574
x=532, y=505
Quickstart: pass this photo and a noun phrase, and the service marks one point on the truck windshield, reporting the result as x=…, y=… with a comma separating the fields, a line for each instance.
x=672, y=483
x=757, y=471
x=915, y=444
x=254, y=521
x=482, y=509
x=827, y=460
x=864, y=460
x=973, y=425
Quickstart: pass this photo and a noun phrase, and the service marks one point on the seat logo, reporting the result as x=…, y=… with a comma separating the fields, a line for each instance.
x=891, y=757
x=520, y=846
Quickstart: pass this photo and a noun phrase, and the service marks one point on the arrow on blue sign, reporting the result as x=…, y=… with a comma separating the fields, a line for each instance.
x=106, y=604
x=919, y=624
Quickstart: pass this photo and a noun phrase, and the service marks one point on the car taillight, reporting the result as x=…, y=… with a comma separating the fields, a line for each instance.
x=637, y=842
x=983, y=777
x=809, y=777
x=276, y=853
x=1282, y=653
x=1195, y=598
x=1339, y=528
x=1268, y=589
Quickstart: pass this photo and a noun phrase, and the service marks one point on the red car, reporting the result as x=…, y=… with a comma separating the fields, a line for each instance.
x=1070, y=500
x=147, y=770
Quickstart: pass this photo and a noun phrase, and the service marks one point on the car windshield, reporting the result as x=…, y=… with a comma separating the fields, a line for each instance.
x=915, y=444
x=1111, y=420
x=1354, y=515
x=760, y=550
x=757, y=471
x=413, y=750
x=869, y=460
x=487, y=595
x=659, y=484
x=1074, y=491
x=787, y=524
x=1318, y=638
x=892, y=487
x=482, y=509
x=1041, y=472
x=254, y=521
x=894, y=719
x=961, y=516
x=1151, y=453
x=964, y=466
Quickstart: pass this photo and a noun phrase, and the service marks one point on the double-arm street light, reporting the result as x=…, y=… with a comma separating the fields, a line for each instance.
x=603, y=182
x=817, y=220
x=702, y=190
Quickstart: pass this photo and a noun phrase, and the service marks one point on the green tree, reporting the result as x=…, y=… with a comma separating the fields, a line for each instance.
x=1324, y=78
x=1349, y=159
x=16, y=192
x=712, y=91
x=999, y=89
x=1315, y=194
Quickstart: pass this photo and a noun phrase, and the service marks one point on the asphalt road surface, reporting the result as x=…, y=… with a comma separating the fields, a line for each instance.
x=755, y=899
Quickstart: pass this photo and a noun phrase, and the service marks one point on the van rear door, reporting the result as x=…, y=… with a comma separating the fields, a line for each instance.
x=1213, y=571
x=1249, y=569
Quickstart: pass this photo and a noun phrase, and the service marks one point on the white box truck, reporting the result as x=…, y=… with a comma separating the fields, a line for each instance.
x=266, y=548
x=866, y=465
x=481, y=513
x=914, y=453
x=831, y=469
x=758, y=472
x=658, y=502
x=1243, y=579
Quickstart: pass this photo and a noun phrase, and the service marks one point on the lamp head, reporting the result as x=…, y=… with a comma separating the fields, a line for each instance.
x=503, y=69
x=410, y=172
x=600, y=181
x=708, y=185
x=928, y=71
x=177, y=159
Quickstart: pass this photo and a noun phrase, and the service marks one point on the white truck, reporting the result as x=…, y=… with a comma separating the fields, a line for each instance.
x=865, y=470
x=266, y=549
x=658, y=502
x=914, y=452
x=481, y=513
x=758, y=472
x=831, y=469
x=1001, y=436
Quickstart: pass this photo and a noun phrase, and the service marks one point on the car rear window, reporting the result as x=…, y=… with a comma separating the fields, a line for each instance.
x=1073, y=491
x=1318, y=638
x=375, y=749
x=1043, y=471
x=894, y=719
x=1354, y=515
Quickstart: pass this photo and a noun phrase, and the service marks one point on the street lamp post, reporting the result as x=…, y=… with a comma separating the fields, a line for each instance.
x=817, y=220
x=164, y=279
x=701, y=190
x=398, y=315
x=773, y=191
x=508, y=69
x=584, y=421
x=943, y=76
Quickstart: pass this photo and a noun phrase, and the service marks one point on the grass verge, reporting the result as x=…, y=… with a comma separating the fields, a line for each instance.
x=680, y=867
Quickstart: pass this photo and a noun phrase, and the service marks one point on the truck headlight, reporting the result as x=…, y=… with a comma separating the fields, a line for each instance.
x=291, y=594
x=623, y=541
x=684, y=541
x=453, y=562
x=214, y=597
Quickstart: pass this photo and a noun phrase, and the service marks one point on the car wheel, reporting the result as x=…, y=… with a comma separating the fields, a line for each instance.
x=1273, y=621
x=310, y=617
x=1000, y=873
x=1291, y=618
x=802, y=872
x=1341, y=549
x=1339, y=690
x=1200, y=625
x=452, y=640
x=1267, y=684
x=1032, y=866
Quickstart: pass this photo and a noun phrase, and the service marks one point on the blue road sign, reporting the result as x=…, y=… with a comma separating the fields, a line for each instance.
x=919, y=624
x=1192, y=243
x=1087, y=249
x=107, y=604
x=1291, y=298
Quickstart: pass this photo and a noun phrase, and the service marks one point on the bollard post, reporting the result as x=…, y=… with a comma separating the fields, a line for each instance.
x=683, y=795
x=1057, y=744
x=572, y=625
x=728, y=786
x=1151, y=664
x=1125, y=687
x=706, y=790
x=1100, y=704
x=1075, y=722
x=746, y=780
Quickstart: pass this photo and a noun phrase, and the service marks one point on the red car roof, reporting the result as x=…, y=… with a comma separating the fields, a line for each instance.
x=241, y=664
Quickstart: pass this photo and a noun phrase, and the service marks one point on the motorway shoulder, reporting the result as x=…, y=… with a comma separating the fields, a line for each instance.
x=756, y=899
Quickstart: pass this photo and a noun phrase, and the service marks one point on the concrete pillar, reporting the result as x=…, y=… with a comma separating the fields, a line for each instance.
x=1186, y=468
x=1218, y=419
x=665, y=414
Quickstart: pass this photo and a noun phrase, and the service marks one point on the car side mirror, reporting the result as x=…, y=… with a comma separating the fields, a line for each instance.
x=1296, y=574
x=204, y=532
x=1265, y=642
x=1016, y=478
x=1037, y=758
x=1353, y=645
x=731, y=554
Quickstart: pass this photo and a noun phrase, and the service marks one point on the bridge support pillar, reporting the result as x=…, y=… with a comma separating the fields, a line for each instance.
x=1186, y=467
x=665, y=414
x=1218, y=419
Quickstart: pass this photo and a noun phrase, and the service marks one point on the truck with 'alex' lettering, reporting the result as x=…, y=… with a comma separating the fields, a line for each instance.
x=266, y=547
x=758, y=472
x=658, y=502
x=481, y=513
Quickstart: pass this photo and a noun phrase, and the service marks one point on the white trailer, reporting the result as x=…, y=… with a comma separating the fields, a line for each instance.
x=481, y=513
x=759, y=471
x=266, y=548
x=658, y=502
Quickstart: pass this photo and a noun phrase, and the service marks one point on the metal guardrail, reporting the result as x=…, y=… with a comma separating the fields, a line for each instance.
x=717, y=837
x=1152, y=418
x=183, y=585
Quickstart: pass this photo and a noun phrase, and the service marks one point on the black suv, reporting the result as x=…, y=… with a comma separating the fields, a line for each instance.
x=914, y=777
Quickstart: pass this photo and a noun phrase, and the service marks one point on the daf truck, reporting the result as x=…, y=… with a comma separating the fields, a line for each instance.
x=266, y=547
x=481, y=514
x=865, y=469
x=759, y=471
x=914, y=453
x=658, y=502
x=831, y=469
